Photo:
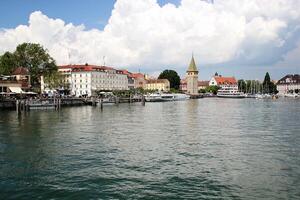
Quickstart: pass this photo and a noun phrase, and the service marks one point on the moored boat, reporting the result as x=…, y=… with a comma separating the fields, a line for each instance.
x=230, y=93
x=162, y=97
x=291, y=95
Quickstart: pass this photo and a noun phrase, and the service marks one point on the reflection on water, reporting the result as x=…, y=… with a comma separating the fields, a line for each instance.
x=207, y=148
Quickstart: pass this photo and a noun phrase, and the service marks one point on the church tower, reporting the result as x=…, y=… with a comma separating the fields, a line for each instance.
x=192, y=78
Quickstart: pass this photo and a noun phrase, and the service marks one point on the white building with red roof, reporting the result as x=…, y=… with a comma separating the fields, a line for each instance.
x=87, y=79
x=224, y=82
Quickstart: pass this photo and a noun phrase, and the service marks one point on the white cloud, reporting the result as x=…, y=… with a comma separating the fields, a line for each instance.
x=144, y=34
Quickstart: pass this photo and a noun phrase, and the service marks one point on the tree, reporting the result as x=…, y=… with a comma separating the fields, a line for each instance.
x=212, y=89
x=202, y=91
x=268, y=86
x=7, y=63
x=37, y=60
x=172, y=76
x=53, y=80
x=242, y=85
x=266, y=83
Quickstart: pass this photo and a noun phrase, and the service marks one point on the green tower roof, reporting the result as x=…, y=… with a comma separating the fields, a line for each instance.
x=192, y=66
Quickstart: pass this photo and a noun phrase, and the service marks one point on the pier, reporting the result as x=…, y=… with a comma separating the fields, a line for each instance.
x=56, y=103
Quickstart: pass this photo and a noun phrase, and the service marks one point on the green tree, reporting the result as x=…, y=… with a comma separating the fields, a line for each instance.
x=202, y=91
x=7, y=63
x=212, y=89
x=37, y=60
x=268, y=85
x=172, y=76
x=173, y=90
x=53, y=80
x=242, y=85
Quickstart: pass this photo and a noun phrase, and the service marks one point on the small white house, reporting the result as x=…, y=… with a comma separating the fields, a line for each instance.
x=224, y=82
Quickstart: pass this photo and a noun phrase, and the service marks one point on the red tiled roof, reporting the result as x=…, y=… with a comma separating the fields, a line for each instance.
x=85, y=67
x=137, y=75
x=126, y=72
x=225, y=80
x=203, y=83
x=21, y=71
x=158, y=81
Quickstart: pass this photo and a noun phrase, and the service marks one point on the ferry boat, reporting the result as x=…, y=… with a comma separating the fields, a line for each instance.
x=230, y=92
x=162, y=97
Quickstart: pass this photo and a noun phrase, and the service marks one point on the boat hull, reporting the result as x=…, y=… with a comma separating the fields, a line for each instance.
x=231, y=96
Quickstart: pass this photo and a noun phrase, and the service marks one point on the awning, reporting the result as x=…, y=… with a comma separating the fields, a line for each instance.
x=17, y=90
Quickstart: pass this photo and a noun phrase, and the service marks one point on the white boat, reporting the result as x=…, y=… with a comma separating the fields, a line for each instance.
x=291, y=95
x=230, y=93
x=259, y=96
x=181, y=97
x=162, y=97
x=250, y=95
x=159, y=97
x=263, y=96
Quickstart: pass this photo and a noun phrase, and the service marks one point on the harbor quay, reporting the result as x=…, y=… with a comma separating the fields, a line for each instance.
x=26, y=104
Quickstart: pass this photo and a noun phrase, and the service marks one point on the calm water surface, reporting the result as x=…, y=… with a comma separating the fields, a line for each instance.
x=196, y=149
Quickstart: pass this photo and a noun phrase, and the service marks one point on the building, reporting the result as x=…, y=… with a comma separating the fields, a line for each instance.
x=139, y=80
x=9, y=84
x=192, y=78
x=17, y=83
x=158, y=84
x=130, y=78
x=202, y=85
x=182, y=86
x=22, y=74
x=224, y=82
x=288, y=83
x=88, y=79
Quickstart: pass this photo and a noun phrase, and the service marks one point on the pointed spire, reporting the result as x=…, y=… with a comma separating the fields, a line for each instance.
x=192, y=66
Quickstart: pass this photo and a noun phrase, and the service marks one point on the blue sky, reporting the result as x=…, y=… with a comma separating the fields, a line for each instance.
x=91, y=13
x=234, y=38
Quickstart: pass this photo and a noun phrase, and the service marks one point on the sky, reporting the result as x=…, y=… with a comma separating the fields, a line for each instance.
x=241, y=38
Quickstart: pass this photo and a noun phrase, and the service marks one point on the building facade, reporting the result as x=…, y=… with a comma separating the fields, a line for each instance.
x=192, y=78
x=158, y=84
x=288, y=84
x=139, y=80
x=18, y=82
x=224, y=82
x=202, y=85
x=130, y=78
x=88, y=79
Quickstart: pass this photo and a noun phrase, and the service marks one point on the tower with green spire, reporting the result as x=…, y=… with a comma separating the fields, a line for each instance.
x=192, y=78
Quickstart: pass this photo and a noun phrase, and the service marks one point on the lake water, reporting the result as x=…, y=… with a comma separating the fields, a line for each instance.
x=198, y=149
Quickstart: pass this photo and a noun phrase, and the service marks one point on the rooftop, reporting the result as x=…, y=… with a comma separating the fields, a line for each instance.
x=158, y=81
x=192, y=66
x=225, y=80
x=85, y=67
x=203, y=83
x=289, y=79
x=21, y=71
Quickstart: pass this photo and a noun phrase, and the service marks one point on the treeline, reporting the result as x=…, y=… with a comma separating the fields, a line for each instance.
x=254, y=86
x=33, y=57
